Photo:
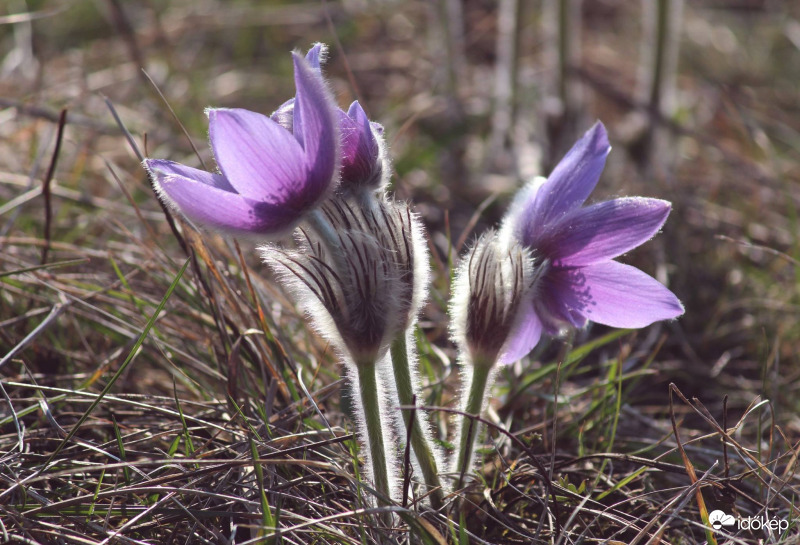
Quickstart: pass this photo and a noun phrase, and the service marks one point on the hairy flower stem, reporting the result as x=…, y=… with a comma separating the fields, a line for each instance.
x=323, y=227
x=469, y=426
x=368, y=387
x=420, y=443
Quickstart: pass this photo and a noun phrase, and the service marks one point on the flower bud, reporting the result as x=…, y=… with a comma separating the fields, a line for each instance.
x=490, y=285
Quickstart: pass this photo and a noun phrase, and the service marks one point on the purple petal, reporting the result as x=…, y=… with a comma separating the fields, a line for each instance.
x=210, y=205
x=315, y=125
x=257, y=156
x=284, y=115
x=316, y=55
x=559, y=303
x=523, y=338
x=616, y=295
x=568, y=186
x=604, y=231
x=360, y=150
x=162, y=168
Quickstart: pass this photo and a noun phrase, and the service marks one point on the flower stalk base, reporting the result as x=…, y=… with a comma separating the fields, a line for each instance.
x=419, y=442
x=368, y=390
x=469, y=425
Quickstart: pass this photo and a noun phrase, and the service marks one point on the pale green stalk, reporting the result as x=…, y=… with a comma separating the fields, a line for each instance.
x=413, y=419
x=323, y=227
x=368, y=389
x=469, y=426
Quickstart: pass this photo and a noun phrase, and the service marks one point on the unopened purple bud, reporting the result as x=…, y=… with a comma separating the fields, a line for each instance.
x=365, y=162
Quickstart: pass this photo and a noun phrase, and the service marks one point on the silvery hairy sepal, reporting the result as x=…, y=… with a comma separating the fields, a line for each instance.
x=492, y=281
x=359, y=289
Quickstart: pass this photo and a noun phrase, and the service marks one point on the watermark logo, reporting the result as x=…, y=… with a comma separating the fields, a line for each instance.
x=720, y=519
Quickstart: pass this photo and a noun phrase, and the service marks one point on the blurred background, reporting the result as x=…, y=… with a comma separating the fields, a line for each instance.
x=701, y=100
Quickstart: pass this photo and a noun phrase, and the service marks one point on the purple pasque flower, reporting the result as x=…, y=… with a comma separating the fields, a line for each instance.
x=573, y=247
x=365, y=161
x=269, y=177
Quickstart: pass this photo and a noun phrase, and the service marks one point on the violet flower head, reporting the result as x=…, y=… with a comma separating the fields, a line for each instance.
x=364, y=157
x=573, y=247
x=270, y=177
